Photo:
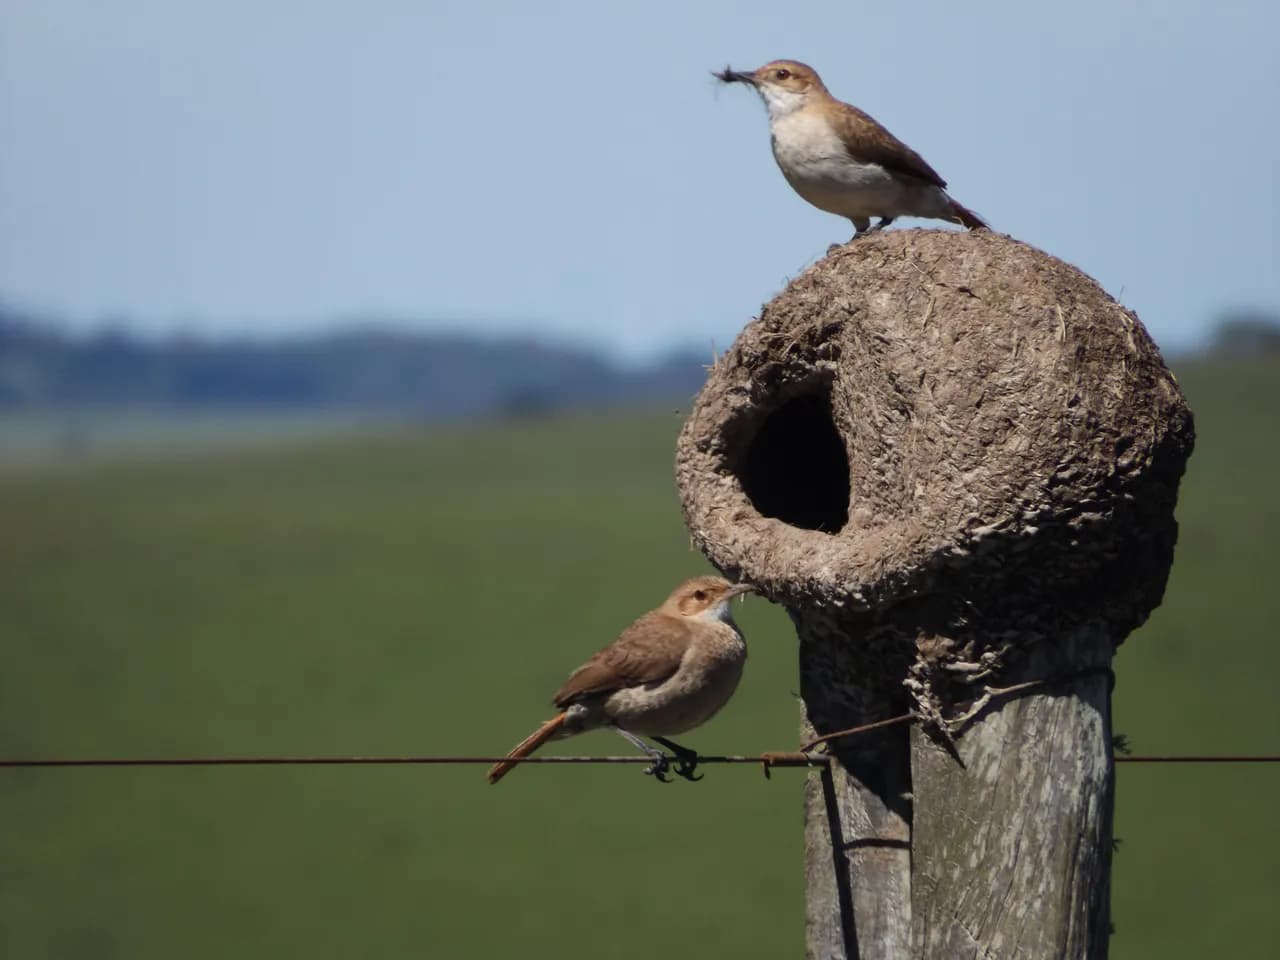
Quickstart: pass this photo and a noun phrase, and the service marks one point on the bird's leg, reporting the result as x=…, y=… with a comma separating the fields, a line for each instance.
x=860, y=226
x=883, y=222
x=686, y=759
x=658, y=769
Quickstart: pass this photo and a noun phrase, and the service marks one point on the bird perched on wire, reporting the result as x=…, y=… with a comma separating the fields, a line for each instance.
x=670, y=671
x=840, y=159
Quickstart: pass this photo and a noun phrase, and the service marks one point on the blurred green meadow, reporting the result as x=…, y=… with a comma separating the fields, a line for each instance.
x=425, y=592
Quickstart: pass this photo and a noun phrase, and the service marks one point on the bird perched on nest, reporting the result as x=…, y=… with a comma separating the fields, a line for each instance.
x=667, y=673
x=840, y=159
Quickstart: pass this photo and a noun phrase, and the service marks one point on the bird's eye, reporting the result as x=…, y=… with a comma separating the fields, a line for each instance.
x=782, y=74
x=699, y=594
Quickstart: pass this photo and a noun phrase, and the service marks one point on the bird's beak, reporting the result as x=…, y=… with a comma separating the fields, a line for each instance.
x=733, y=76
x=738, y=589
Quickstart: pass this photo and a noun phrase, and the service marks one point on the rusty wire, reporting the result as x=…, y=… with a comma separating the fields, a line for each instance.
x=777, y=759
x=772, y=759
x=804, y=757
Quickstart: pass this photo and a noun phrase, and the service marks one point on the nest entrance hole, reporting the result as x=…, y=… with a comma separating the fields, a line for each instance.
x=795, y=468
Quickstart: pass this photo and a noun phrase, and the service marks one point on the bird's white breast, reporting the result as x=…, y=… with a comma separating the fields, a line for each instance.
x=818, y=166
x=704, y=682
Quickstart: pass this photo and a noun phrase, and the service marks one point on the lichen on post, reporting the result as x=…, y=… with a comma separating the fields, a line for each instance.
x=954, y=460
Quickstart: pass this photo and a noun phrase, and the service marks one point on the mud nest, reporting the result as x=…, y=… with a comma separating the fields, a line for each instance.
x=942, y=416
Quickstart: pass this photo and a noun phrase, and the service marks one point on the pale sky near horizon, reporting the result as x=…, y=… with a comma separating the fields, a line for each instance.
x=571, y=169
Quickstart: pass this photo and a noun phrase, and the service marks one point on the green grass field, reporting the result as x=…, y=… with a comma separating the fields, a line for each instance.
x=379, y=594
x=38, y=438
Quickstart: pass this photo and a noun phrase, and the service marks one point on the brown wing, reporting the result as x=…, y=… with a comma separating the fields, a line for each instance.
x=867, y=140
x=648, y=651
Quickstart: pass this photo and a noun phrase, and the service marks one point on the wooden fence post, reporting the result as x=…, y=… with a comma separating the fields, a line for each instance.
x=954, y=460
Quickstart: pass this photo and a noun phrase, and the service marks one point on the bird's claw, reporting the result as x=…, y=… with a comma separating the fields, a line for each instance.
x=685, y=767
x=659, y=768
x=686, y=760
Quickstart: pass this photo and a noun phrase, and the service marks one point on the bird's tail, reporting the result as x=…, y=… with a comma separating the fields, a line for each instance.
x=525, y=747
x=962, y=214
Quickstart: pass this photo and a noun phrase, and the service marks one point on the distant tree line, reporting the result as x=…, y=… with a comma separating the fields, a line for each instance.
x=378, y=369
x=1246, y=332
x=388, y=370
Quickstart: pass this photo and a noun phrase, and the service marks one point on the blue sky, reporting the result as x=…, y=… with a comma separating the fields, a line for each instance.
x=571, y=169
